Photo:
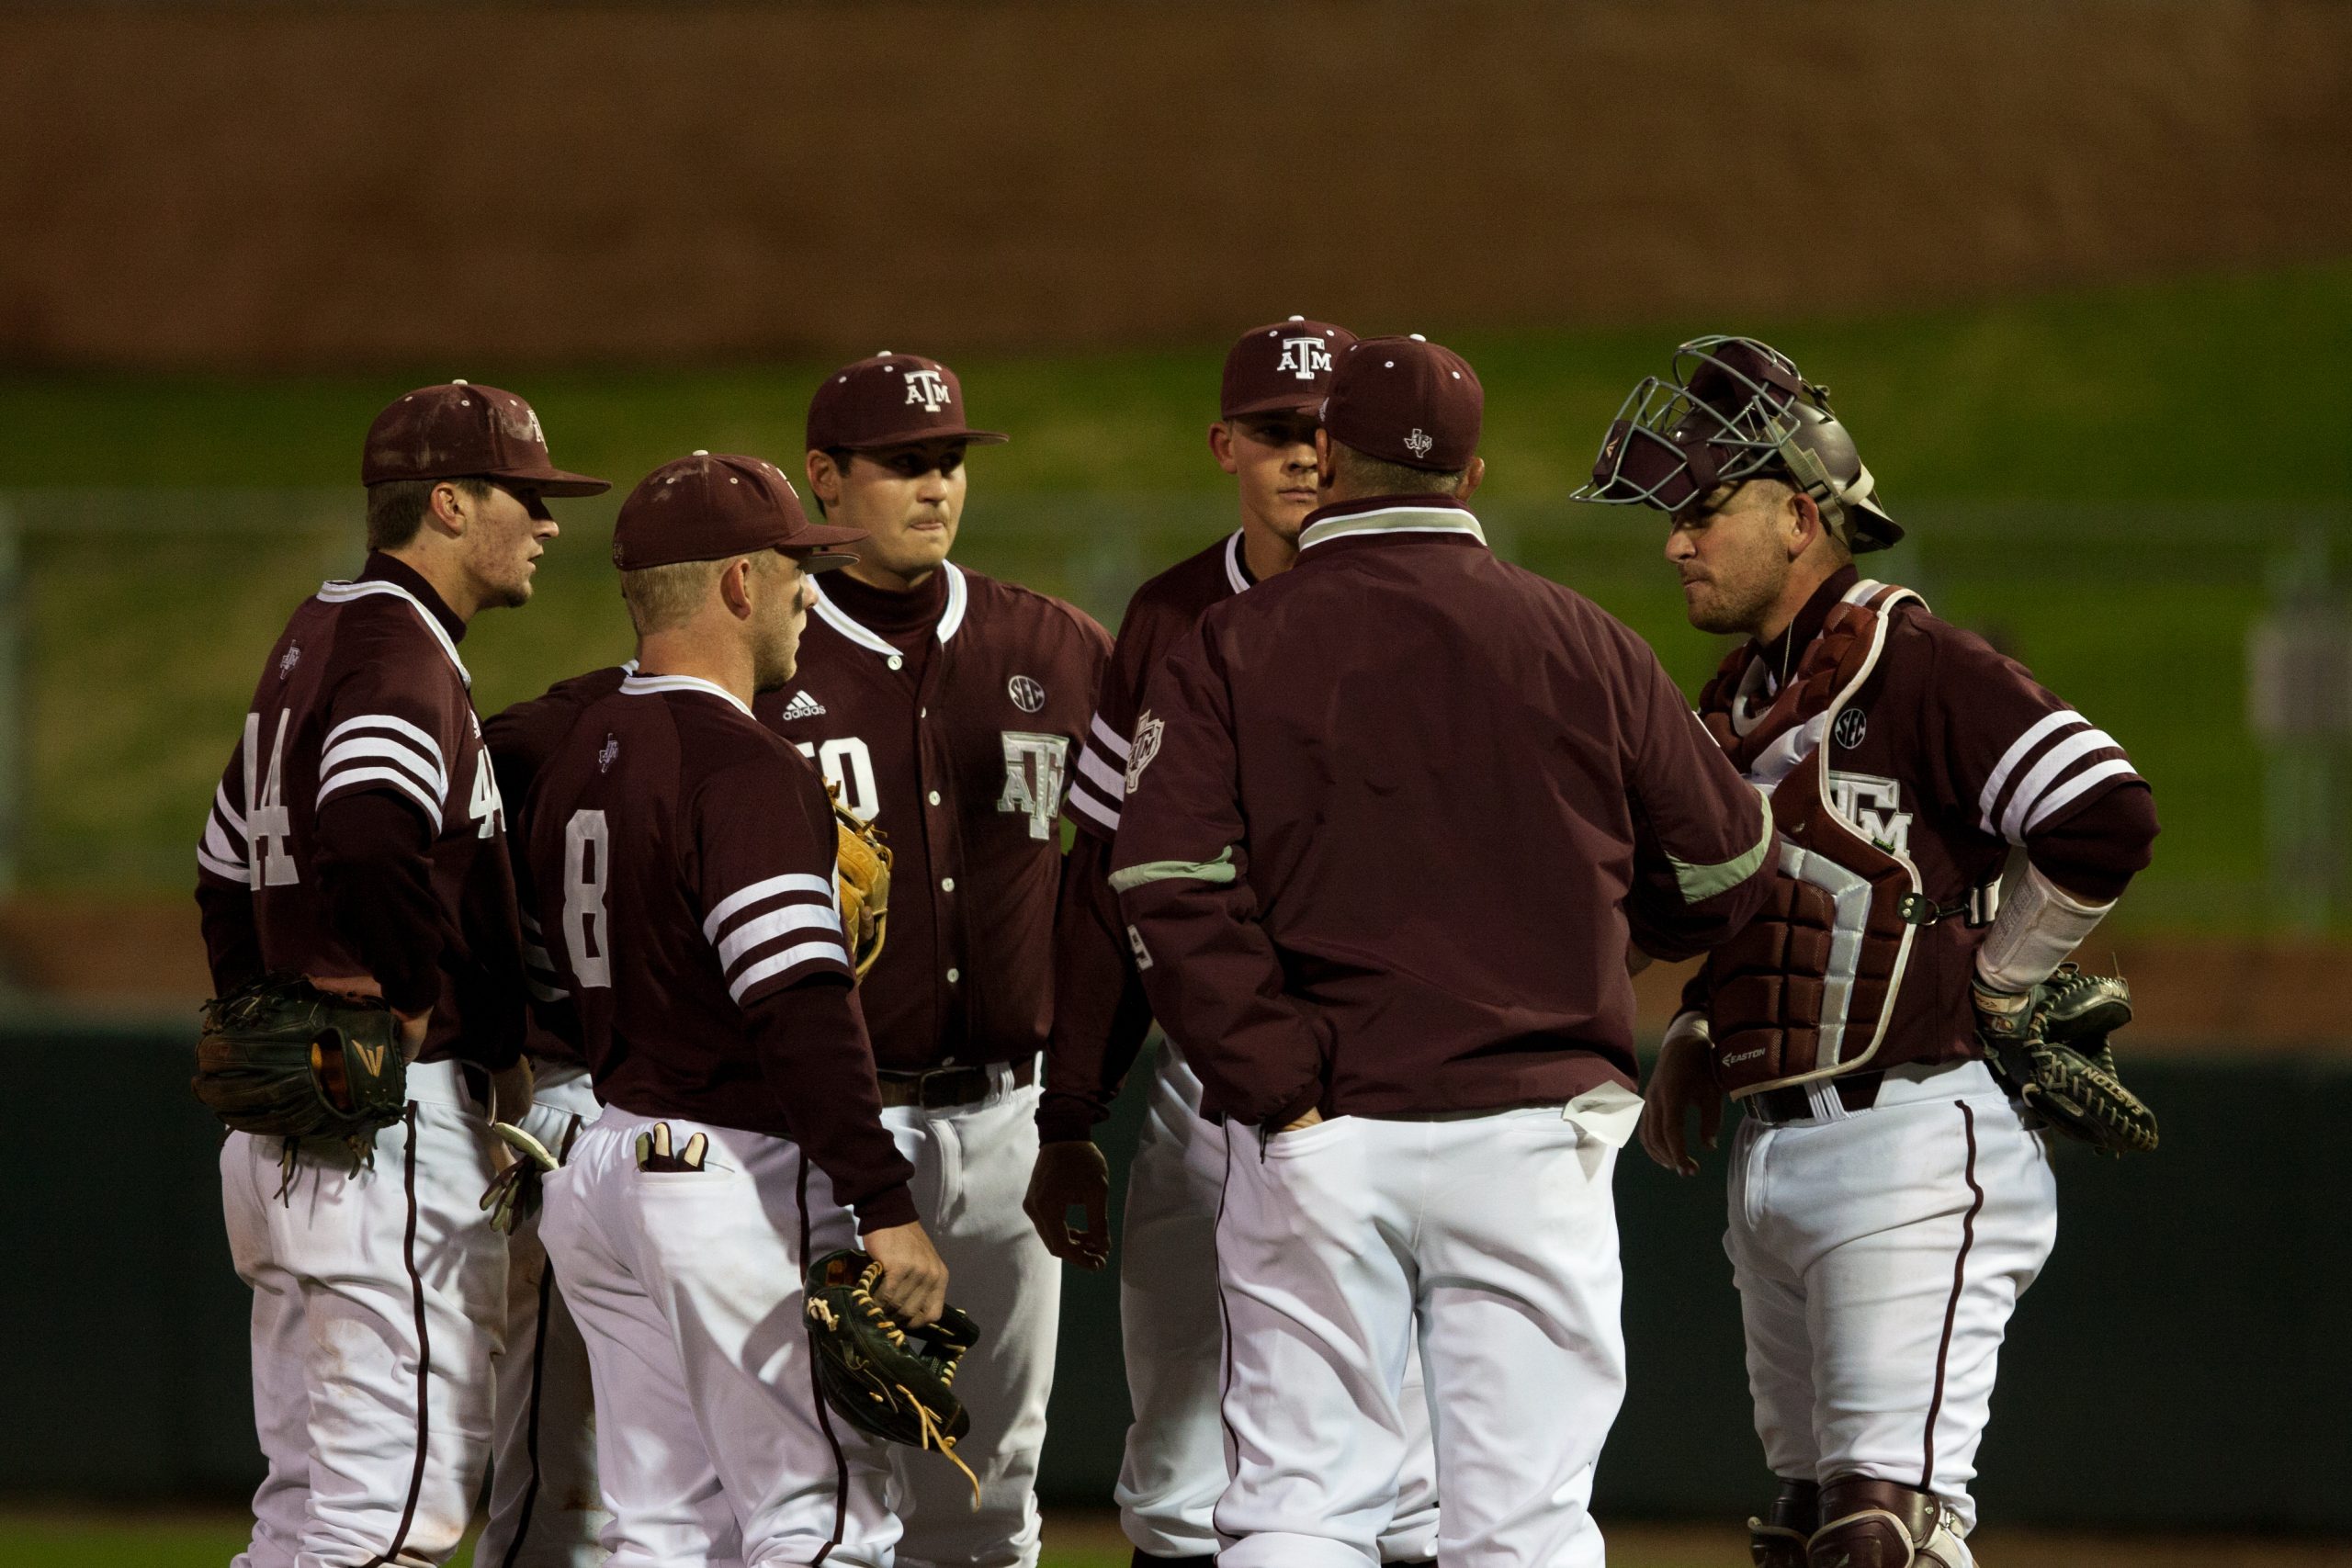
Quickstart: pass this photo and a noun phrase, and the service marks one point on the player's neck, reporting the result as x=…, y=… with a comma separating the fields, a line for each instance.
x=1267, y=552
x=877, y=576
x=686, y=652
x=1805, y=578
x=444, y=575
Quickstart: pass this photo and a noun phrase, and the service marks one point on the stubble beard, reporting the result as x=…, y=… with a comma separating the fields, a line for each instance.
x=1735, y=608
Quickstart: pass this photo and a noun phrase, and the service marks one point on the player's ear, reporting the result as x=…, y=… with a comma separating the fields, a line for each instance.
x=449, y=508
x=1325, y=469
x=1221, y=446
x=1801, y=522
x=824, y=478
x=1473, y=476
x=735, y=589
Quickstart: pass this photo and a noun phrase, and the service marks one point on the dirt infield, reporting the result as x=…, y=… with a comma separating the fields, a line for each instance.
x=47, y=1537
x=276, y=185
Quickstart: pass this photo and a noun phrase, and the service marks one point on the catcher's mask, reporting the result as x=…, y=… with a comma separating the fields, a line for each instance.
x=1736, y=410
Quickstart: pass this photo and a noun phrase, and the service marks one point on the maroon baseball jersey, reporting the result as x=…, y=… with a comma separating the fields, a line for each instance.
x=1100, y=1014
x=682, y=861
x=948, y=716
x=1392, y=817
x=1949, y=755
x=521, y=738
x=364, y=692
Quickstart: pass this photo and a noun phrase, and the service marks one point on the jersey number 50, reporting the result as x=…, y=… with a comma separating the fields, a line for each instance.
x=848, y=766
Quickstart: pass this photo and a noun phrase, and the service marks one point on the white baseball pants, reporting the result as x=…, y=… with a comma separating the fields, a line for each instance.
x=1877, y=1257
x=972, y=1164
x=1492, y=1237
x=545, y=1511
x=1174, y=1469
x=376, y=1299
x=716, y=1447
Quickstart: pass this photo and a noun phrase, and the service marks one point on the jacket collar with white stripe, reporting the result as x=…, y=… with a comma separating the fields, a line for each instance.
x=384, y=575
x=951, y=616
x=1383, y=515
x=636, y=685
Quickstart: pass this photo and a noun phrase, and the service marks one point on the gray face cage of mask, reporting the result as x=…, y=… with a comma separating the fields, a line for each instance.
x=1736, y=410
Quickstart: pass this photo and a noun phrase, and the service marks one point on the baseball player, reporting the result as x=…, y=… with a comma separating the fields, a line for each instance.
x=1889, y=1203
x=944, y=705
x=681, y=860
x=1390, y=820
x=1275, y=379
x=358, y=838
x=545, y=1510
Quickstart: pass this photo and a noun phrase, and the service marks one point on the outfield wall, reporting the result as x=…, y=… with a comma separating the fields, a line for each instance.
x=2181, y=1363
x=275, y=184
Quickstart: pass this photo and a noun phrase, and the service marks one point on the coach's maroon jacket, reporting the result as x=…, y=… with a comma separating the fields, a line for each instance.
x=1392, y=817
x=947, y=717
x=682, y=865
x=358, y=827
x=1100, y=1014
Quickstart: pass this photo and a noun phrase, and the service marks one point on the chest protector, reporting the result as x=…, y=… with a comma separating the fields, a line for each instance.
x=1806, y=991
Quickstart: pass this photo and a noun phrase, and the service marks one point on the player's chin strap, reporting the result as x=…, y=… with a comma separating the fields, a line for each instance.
x=2039, y=923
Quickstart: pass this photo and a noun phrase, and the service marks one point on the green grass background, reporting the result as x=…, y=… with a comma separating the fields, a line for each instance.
x=2112, y=483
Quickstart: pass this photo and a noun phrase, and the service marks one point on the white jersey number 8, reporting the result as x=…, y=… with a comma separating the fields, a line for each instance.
x=587, y=932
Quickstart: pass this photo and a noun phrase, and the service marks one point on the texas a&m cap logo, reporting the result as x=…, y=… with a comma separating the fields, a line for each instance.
x=1284, y=367
x=889, y=399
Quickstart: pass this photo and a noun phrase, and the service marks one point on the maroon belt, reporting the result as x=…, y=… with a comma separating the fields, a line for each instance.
x=1794, y=1103
x=941, y=1087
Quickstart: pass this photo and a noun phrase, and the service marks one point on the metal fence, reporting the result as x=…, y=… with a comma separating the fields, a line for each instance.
x=132, y=623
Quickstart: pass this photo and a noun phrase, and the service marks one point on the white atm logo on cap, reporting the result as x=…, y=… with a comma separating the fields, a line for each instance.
x=928, y=387
x=1305, y=358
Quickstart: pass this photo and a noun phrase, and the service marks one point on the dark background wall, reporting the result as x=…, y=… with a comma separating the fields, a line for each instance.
x=268, y=185
x=2181, y=1363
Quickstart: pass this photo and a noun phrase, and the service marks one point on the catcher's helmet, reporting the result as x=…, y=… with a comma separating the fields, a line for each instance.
x=1736, y=410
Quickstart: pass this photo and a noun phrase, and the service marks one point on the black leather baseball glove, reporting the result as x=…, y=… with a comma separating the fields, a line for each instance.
x=886, y=1380
x=2053, y=1054
x=284, y=1059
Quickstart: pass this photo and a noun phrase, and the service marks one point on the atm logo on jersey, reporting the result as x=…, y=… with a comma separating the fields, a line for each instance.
x=1035, y=767
x=1875, y=806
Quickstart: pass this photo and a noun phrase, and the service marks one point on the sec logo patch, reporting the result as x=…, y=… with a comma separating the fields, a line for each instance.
x=1851, y=726
x=1027, y=694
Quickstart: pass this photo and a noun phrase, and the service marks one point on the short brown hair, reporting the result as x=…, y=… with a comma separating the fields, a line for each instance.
x=396, y=508
x=1367, y=475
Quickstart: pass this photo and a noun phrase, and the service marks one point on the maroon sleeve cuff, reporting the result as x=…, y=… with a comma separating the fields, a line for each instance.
x=1066, y=1119
x=1309, y=1099
x=879, y=1213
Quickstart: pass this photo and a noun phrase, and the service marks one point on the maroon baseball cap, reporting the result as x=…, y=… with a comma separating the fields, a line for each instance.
x=889, y=400
x=1283, y=367
x=461, y=431
x=1405, y=399
x=706, y=508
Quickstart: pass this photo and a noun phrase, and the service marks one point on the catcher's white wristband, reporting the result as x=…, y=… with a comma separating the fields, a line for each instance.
x=2040, y=924
x=1690, y=1025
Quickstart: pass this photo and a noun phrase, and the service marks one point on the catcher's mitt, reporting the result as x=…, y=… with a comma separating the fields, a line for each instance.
x=2053, y=1054
x=862, y=874
x=283, y=1059
x=890, y=1382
